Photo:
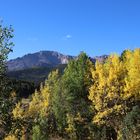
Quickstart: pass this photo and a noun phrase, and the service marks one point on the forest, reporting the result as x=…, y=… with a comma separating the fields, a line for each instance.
x=87, y=101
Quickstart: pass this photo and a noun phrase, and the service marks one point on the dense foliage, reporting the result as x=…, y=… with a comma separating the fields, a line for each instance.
x=115, y=94
x=88, y=101
x=6, y=33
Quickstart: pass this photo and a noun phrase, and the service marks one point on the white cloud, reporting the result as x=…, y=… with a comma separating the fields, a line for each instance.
x=67, y=37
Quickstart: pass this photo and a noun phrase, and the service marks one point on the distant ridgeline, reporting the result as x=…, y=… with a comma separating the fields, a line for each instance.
x=36, y=67
x=39, y=59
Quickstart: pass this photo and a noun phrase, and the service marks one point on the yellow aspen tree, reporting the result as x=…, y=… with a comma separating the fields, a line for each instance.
x=106, y=89
x=132, y=81
x=116, y=91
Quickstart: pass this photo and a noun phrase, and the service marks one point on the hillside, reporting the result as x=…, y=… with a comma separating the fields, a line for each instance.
x=35, y=75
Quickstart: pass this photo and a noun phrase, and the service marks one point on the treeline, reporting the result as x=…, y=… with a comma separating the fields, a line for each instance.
x=88, y=101
x=23, y=89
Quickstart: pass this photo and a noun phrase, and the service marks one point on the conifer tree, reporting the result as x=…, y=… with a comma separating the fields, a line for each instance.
x=76, y=81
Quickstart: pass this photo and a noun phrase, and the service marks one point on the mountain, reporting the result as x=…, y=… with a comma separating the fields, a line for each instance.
x=101, y=58
x=36, y=67
x=38, y=59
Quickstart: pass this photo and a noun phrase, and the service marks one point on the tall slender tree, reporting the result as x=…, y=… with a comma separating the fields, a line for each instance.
x=76, y=81
x=6, y=34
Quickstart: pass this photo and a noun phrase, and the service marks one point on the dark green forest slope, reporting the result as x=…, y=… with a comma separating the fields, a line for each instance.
x=34, y=75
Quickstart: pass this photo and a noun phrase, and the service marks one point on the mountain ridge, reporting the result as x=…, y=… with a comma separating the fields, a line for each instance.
x=35, y=67
x=44, y=59
x=38, y=59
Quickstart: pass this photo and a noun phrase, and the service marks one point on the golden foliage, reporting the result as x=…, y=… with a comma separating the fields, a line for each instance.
x=115, y=82
x=10, y=137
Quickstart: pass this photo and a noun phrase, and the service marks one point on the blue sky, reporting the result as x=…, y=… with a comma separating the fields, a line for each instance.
x=71, y=26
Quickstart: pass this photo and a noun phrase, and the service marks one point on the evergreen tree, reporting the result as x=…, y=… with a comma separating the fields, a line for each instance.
x=75, y=82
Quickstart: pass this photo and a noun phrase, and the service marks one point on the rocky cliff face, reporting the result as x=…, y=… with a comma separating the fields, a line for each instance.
x=39, y=59
x=44, y=59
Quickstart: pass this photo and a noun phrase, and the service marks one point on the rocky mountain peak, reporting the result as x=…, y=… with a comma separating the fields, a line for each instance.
x=38, y=59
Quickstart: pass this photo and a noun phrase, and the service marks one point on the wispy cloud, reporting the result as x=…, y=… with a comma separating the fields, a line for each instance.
x=67, y=37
